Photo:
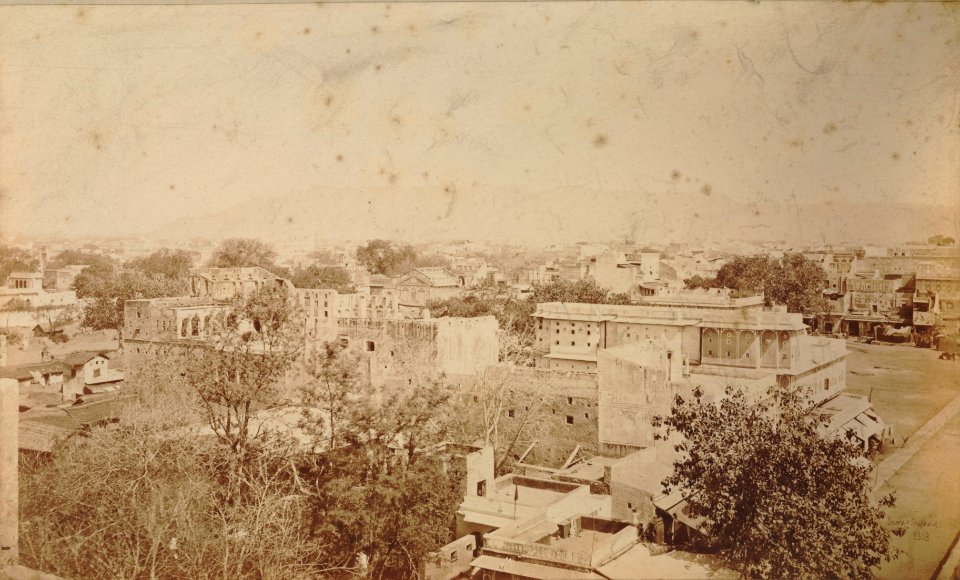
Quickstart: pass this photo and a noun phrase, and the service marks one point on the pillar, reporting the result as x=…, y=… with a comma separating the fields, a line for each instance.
x=9, y=485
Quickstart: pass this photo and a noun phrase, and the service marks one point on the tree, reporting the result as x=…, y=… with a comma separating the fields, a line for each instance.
x=79, y=257
x=941, y=240
x=173, y=264
x=793, y=281
x=586, y=291
x=110, y=290
x=779, y=498
x=376, y=493
x=245, y=253
x=799, y=285
x=16, y=260
x=699, y=282
x=139, y=499
x=382, y=257
x=239, y=369
x=332, y=277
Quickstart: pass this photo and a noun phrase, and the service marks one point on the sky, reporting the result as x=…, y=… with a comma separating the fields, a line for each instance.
x=470, y=119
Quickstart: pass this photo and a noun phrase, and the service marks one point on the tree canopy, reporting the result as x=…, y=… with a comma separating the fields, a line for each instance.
x=16, y=260
x=332, y=277
x=586, y=291
x=174, y=264
x=781, y=500
x=384, y=257
x=793, y=281
x=247, y=253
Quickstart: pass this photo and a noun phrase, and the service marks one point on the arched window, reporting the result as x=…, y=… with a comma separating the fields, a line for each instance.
x=195, y=326
x=206, y=324
x=184, y=327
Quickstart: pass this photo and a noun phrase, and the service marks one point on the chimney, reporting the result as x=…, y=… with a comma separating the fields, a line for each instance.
x=9, y=485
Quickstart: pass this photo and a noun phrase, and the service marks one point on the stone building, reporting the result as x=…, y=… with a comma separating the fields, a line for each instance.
x=227, y=283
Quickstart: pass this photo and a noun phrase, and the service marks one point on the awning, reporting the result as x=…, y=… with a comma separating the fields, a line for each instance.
x=531, y=570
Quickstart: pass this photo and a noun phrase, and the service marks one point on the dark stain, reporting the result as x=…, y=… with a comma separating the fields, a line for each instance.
x=306, y=30
x=83, y=13
x=600, y=140
x=214, y=127
x=527, y=107
x=289, y=219
x=395, y=119
x=36, y=36
x=694, y=34
x=796, y=143
x=377, y=67
x=895, y=156
x=339, y=157
x=696, y=215
x=393, y=178
x=347, y=51
x=706, y=189
x=328, y=100
x=97, y=140
x=411, y=28
x=375, y=29
x=172, y=187
x=675, y=174
x=829, y=128
x=426, y=174
x=908, y=122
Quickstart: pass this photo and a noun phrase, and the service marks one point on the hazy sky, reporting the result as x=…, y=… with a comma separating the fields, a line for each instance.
x=125, y=119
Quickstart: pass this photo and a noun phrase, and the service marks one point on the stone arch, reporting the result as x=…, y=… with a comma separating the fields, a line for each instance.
x=711, y=343
x=728, y=345
x=746, y=352
x=195, y=326
x=768, y=348
x=207, y=320
x=185, y=327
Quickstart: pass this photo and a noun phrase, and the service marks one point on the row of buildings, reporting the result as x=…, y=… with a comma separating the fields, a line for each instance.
x=582, y=492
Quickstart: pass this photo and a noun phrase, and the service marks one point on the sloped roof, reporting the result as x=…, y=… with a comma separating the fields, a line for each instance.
x=26, y=371
x=75, y=359
x=39, y=436
x=434, y=276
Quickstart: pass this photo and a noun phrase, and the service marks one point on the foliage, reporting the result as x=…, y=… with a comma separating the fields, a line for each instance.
x=375, y=492
x=382, y=257
x=941, y=240
x=173, y=264
x=79, y=257
x=783, y=501
x=586, y=291
x=246, y=253
x=793, y=281
x=134, y=500
x=14, y=338
x=238, y=370
x=332, y=277
x=699, y=282
x=13, y=259
x=110, y=289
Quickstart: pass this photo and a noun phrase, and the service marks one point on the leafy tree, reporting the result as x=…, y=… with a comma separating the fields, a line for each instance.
x=799, y=285
x=333, y=277
x=79, y=257
x=699, y=282
x=139, y=500
x=586, y=291
x=382, y=257
x=174, y=264
x=941, y=240
x=793, y=281
x=779, y=498
x=376, y=493
x=246, y=253
x=14, y=259
x=110, y=289
x=240, y=368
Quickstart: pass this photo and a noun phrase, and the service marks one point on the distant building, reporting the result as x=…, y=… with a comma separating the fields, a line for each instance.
x=227, y=283
x=62, y=278
x=421, y=285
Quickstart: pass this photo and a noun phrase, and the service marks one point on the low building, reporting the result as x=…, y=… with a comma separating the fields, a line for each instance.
x=422, y=285
x=228, y=283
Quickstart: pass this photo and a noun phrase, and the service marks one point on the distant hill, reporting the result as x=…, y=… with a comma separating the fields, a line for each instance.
x=342, y=214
